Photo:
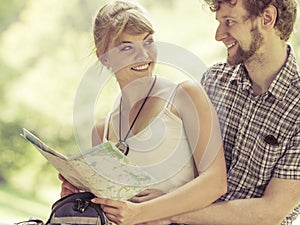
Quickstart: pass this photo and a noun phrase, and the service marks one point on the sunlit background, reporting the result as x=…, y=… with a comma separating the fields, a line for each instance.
x=46, y=46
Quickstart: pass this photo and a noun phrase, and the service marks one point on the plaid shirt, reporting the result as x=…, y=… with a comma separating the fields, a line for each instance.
x=261, y=133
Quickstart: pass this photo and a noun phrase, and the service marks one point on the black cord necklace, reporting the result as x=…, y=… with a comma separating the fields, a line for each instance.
x=122, y=145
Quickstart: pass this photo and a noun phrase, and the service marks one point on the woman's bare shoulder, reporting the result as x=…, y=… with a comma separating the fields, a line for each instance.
x=194, y=90
x=98, y=131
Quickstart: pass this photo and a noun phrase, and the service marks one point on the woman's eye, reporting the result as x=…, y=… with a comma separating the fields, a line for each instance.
x=149, y=42
x=124, y=48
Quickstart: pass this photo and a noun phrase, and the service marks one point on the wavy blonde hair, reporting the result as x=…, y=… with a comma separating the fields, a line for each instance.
x=117, y=17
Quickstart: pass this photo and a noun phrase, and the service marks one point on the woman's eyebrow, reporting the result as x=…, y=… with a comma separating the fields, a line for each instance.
x=129, y=42
x=147, y=35
x=126, y=42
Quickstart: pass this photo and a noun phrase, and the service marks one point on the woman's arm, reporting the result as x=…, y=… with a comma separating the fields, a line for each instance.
x=196, y=194
x=200, y=123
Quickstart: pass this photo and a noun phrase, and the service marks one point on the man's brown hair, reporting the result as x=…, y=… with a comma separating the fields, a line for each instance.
x=286, y=12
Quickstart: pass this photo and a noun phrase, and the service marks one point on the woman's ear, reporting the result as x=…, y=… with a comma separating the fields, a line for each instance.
x=103, y=59
x=269, y=17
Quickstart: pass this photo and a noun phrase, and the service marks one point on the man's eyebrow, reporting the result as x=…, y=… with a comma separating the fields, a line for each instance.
x=226, y=17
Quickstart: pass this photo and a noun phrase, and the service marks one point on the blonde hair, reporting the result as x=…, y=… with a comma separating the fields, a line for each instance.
x=117, y=17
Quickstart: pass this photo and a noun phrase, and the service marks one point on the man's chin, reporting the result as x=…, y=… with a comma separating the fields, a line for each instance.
x=234, y=61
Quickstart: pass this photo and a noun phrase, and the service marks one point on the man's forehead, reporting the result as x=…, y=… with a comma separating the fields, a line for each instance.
x=228, y=10
x=230, y=3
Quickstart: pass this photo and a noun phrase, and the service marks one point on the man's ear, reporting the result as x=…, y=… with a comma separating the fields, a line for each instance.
x=269, y=16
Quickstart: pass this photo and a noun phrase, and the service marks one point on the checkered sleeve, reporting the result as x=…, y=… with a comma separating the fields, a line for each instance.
x=288, y=166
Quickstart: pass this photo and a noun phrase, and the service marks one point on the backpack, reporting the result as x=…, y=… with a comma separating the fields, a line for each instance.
x=77, y=209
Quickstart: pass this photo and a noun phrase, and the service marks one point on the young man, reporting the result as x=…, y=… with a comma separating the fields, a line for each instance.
x=257, y=96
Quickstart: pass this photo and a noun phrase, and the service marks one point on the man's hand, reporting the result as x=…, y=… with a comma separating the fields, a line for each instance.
x=146, y=195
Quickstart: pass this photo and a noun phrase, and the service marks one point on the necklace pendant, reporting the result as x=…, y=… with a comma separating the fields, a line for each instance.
x=123, y=147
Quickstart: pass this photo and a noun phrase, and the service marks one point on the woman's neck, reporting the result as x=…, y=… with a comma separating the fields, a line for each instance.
x=135, y=91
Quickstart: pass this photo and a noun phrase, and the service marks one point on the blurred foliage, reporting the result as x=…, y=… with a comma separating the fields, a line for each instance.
x=34, y=78
x=46, y=46
x=10, y=11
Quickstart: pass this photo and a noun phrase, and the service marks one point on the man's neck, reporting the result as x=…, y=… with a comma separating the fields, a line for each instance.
x=264, y=68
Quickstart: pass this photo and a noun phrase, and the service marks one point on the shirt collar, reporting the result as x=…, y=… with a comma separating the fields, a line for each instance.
x=287, y=75
x=240, y=77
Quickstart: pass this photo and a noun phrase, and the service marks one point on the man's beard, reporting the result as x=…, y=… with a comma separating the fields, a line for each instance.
x=241, y=56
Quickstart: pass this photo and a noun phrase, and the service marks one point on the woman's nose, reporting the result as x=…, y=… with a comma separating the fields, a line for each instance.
x=142, y=53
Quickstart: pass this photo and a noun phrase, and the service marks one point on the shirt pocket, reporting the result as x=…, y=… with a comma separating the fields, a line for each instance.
x=263, y=159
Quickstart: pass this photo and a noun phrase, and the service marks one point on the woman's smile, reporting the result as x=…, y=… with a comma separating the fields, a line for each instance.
x=141, y=67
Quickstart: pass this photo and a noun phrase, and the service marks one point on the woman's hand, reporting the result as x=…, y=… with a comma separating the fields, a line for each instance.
x=146, y=195
x=66, y=187
x=119, y=212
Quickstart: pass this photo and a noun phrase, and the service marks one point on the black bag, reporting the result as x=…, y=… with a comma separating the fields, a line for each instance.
x=77, y=209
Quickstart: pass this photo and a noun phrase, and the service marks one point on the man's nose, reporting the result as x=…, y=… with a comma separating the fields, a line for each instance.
x=221, y=33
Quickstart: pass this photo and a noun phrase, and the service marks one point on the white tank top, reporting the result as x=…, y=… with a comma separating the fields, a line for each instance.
x=162, y=149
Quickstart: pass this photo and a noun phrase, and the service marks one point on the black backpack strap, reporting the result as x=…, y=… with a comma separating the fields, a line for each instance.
x=81, y=201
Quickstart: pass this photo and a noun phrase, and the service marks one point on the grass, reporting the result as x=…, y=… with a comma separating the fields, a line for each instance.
x=16, y=206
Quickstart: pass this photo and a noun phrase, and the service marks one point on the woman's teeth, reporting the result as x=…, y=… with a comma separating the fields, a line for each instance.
x=141, y=67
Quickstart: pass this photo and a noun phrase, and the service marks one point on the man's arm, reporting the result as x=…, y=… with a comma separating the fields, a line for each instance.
x=280, y=198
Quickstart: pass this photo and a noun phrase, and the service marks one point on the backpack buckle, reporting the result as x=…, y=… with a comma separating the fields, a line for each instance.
x=80, y=205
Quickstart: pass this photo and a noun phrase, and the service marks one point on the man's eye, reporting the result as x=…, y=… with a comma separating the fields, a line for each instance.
x=229, y=22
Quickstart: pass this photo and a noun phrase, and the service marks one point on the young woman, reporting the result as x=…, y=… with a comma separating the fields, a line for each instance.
x=171, y=130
